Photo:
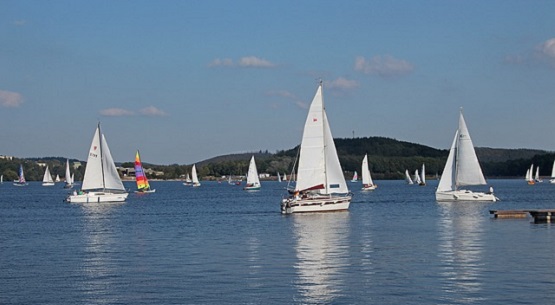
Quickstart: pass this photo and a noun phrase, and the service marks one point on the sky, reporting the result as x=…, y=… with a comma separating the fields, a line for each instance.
x=184, y=81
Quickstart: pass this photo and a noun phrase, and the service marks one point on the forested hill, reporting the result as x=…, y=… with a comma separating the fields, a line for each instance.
x=388, y=159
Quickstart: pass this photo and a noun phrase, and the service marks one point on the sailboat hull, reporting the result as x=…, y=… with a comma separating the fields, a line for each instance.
x=97, y=197
x=369, y=187
x=48, y=184
x=315, y=204
x=552, y=181
x=464, y=195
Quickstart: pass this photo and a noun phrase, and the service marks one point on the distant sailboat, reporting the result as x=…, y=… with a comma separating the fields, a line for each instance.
x=21, y=180
x=553, y=173
x=320, y=184
x=140, y=177
x=416, y=178
x=278, y=177
x=101, y=182
x=188, y=180
x=47, y=178
x=57, y=178
x=461, y=169
x=537, y=177
x=195, y=181
x=407, y=177
x=529, y=173
x=423, y=176
x=367, y=183
x=1, y=179
x=355, y=177
x=69, y=177
x=253, y=182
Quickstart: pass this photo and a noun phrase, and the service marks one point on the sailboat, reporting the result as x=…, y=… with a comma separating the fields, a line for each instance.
x=528, y=178
x=407, y=177
x=537, y=177
x=355, y=177
x=1, y=179
x=367, y=183
x=101, y=182
x=320, y=184
x=57, y=178
x=462, y=169
x=195, y=181
x=278, y=177
x=188, y=180
x=21, y=181
x=69, y=177
x=140, y=177
x=552, y=173
x=253, y=182
x=416, y=178
x=423, y=176
x=47, y=178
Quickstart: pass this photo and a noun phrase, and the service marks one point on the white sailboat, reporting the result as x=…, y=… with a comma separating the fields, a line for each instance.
x=416, y=178
x=528, y=178
x=57, y=178
x=407, y=177
x=253, y=182
x=69, y=177
x=47, y=178
x=355, y=177
x=367, y=183
x=1, y=179
x=194, y=181
x=537, y=177
x=101, y=182
x=552, y=173
x=188, y=180
x=320, y=184
x=462, y=169
x=278, y=177
x=422, y=176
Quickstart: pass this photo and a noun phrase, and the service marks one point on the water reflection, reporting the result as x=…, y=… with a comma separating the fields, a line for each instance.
x=460, y=252
x=100, y=253
x=322, y=255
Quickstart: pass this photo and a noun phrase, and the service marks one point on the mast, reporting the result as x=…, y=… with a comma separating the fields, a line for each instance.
x=324, y=122
x=101, y=157
x=457, y=151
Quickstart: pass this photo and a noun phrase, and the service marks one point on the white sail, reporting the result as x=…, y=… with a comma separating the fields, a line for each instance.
x=355, y=177
x=407, y=177
x=278, y=177
x=101, y=172
x=252, y=175
x=319, y=170
x=57, y=178
x=69, y=179
x=469, y=171
x=417, y=177
x=462, y=168
x=553, y=170
x=47, y=178
x=537, y=176
x=527, y=176
x=423, y=174
x=194, y=175
x=366, y=177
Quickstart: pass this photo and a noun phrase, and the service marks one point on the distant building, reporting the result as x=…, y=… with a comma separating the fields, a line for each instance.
x=263, y=175
x=76, y=164
x=41, y=164
x=6, y=157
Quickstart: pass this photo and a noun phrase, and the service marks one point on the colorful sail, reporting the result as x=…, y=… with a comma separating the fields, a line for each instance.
x=140, y=177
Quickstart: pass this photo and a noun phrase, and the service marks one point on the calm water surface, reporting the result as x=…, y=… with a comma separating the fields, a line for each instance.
x=218, y=244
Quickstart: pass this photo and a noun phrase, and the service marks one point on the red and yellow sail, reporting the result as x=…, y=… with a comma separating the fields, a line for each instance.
x=140, y=177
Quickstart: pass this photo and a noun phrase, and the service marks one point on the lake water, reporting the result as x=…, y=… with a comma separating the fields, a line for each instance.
x=218, y=244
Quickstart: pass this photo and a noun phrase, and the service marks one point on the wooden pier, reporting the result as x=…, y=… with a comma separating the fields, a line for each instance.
x=509, y=213
x=538, y=215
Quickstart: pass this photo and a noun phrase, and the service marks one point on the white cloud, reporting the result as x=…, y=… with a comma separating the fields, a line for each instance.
x=255, y=62
x=343, y=84
x=20, y=22
x=152, y=111
x=10, y=99
x=226, y=62
x=548, y=48
x=244, y=62
x=289, y=96
x=384, y=66
x=116, y=112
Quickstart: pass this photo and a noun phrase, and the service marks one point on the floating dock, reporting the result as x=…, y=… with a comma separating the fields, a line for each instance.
x=538, y=215
x=509, y=213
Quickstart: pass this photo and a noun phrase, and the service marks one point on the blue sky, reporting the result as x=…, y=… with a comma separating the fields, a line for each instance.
x=184, y=81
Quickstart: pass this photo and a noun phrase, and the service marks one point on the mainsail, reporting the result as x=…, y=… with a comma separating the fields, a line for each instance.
x=140, y=177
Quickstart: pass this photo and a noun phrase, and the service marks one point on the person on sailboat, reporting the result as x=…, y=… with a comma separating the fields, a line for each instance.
x=490, y=190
